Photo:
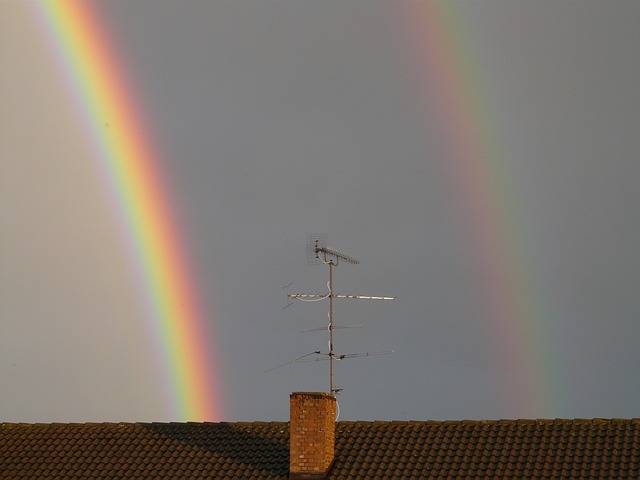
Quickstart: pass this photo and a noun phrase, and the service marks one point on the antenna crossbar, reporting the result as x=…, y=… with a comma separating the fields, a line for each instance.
x=322, y=296
x=335, y=327
x=364, y=297
x=316, y=297
x=323, y=356
x=365, y=354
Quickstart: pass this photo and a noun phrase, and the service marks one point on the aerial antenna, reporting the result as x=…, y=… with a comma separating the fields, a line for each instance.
x=318, y=252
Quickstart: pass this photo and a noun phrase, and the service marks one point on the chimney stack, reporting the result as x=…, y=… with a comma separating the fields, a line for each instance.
x=312, y=430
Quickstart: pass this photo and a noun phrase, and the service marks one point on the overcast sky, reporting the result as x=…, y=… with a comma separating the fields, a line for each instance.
x=281, y=118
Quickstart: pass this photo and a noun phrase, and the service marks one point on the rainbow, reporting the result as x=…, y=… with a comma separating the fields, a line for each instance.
x=451, y=85
x=130, y=167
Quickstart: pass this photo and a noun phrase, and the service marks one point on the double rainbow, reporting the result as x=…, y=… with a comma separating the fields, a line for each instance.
x=125, y=155
x=477, y=170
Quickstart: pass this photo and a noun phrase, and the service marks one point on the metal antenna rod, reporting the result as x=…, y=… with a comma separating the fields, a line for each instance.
x=331, y=367
x=330, y=262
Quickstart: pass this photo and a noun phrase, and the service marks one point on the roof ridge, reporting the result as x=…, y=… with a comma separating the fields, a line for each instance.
x=502, y=421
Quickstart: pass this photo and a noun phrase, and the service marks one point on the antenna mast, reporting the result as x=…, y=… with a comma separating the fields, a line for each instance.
x=318, y=252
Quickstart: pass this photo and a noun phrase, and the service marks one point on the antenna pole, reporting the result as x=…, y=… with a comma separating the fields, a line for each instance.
x=331, y=386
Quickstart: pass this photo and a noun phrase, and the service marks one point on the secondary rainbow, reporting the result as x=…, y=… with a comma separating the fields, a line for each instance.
x=451, y=85
x=124, y=152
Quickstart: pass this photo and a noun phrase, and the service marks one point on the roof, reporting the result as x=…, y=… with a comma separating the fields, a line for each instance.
x=594, y=448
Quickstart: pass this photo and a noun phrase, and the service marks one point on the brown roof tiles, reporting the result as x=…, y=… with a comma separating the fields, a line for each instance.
x=503, y=448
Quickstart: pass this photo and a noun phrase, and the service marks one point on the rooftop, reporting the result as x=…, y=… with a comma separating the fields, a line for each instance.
x=602, y=448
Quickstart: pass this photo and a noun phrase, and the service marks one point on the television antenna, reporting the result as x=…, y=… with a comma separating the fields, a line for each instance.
x=318, y=252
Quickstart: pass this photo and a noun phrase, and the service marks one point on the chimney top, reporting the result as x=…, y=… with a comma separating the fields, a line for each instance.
x=312, y=395
x=312, y=434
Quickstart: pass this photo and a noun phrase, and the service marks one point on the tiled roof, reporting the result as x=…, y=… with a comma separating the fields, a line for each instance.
x=144, y=450
x=491, y=449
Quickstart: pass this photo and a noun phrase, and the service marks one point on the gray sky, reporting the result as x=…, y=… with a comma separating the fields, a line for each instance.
x=277, y=119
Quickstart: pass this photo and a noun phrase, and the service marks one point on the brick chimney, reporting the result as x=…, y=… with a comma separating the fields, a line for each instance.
x=312, y=430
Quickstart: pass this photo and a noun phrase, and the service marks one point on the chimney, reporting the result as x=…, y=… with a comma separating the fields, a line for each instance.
x=312, y=433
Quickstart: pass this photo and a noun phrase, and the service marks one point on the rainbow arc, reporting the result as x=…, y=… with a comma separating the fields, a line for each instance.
x=130, y=166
